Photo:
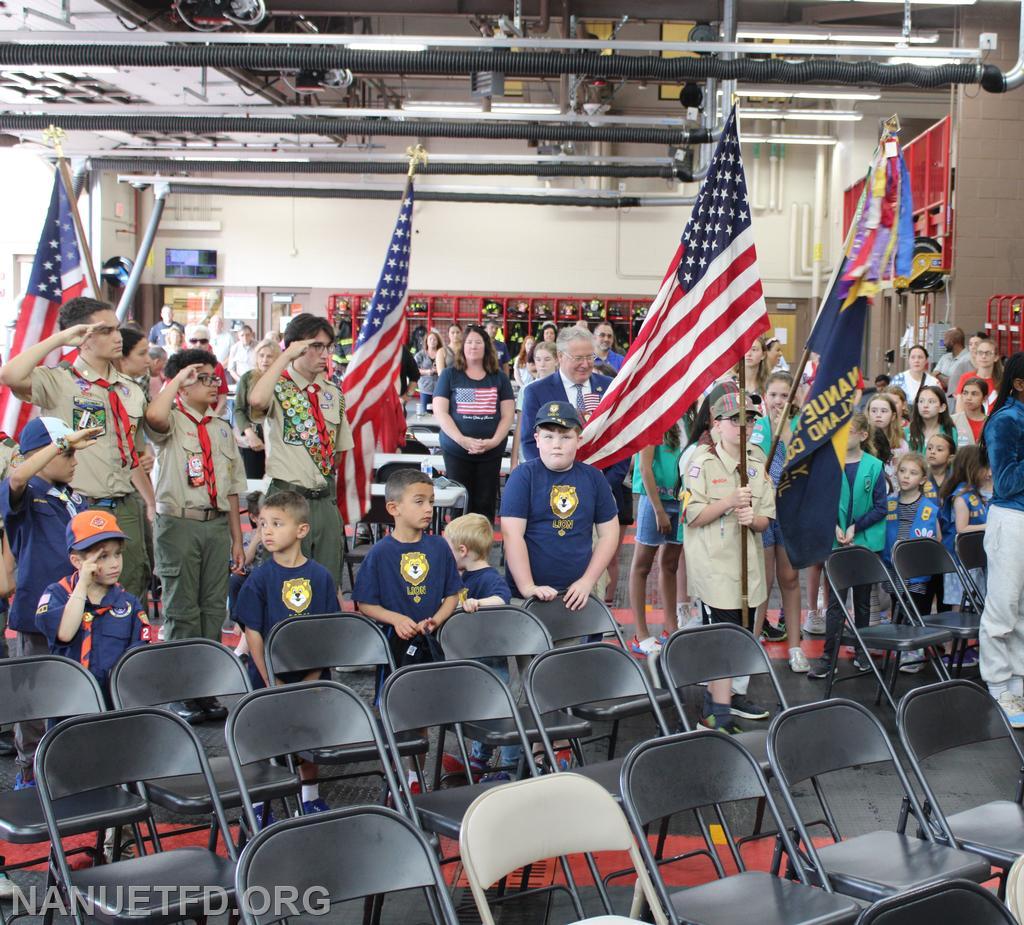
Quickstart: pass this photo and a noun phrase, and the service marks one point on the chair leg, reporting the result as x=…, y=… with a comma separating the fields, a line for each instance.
x=613, y=738
x=759, y=816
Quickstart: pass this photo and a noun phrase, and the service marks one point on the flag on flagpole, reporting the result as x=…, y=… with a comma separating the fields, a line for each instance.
x=369, y=381
x=880, y=244
x=57, y=276
x=707, y=313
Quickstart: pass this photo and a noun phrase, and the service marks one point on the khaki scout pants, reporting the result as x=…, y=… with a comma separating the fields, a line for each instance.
x=135, y=570
x=324, y=541
x=193, y=562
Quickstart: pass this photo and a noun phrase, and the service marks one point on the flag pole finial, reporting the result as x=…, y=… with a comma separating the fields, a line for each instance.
x=417, y=155
x=54, y=135
x=892, y=124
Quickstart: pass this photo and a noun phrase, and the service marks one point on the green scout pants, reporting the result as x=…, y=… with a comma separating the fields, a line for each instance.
x=135, y=570
x=324, y=541
x=193, y=562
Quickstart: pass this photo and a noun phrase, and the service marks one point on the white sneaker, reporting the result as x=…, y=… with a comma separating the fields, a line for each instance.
x=798, y=661
x=693, y=616
x=814, y=623
x=6, y=887
x=1013, y=707
x=910, y=662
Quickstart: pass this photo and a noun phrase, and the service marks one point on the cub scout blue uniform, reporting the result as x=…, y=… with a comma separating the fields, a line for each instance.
x=109, y=629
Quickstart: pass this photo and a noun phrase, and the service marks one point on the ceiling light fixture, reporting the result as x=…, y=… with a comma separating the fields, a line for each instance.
x=387, y=46
x=808, y=93
x=754, y=138
x=801, y=115
x=802, y=33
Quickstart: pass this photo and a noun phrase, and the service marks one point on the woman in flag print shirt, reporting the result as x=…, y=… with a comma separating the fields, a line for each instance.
x=474, y=404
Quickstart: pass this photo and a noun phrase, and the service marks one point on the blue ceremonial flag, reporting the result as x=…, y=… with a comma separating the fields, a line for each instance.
x=878, y=248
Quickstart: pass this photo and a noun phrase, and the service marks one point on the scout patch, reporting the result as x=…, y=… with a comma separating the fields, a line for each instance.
x=297, y=594
x=122, y=610
x=44, y=603
x=88, y=413
x=194, y=470
x=414, y=567
x=563, y=500
x=694, y=471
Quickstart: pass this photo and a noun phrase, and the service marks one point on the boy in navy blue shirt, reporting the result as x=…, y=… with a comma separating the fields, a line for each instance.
x=409, y=580
x=37, y=503
x=287, y=585
x=549, y=510
x=470, y=539
x=88, y=617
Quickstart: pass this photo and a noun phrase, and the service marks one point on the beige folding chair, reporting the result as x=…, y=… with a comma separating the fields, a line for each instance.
x=557, y=815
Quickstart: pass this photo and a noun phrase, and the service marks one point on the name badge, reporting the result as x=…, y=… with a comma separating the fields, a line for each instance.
x=194, y=470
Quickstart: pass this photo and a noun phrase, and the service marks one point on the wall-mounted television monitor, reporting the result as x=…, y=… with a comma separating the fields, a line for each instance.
x=190, y=264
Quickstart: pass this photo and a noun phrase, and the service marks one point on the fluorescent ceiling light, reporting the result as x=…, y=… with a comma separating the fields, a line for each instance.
x=802, y=33
x=36, y=71
x=928, y=2
x=805, y=115
x=808, y=93
x=924, y=62
x=387, y=46
x=789, y=139
x=459, y=108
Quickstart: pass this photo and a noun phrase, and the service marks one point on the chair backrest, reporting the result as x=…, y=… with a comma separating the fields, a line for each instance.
x=295, y=718
x=562, y=623
x=595, y=671
x=948, y=715
x=543, y=817
x=970, y=550
x=186, y=669
x=707, y=653
x=501, y=632
x=333, y=640
x=954, y=902
x=829, y=735
x=853, y=566
x=923, y=556
x=334, y=857
x=46, y=687
x=389, y=469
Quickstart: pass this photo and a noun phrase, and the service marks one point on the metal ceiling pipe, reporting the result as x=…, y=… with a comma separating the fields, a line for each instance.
x=996, y=81
x=171, y=167
x=160, y=192
x=512, y=64
x=413, y=128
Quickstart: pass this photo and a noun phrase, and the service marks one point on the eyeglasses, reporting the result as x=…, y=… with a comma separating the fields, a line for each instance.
x=199, y=340
x=207, y=379
x=318, y=347
x=578, y=360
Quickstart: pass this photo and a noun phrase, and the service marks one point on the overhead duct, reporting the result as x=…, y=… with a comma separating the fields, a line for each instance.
x=446, y=61
x=414, y=128
x=170, y=166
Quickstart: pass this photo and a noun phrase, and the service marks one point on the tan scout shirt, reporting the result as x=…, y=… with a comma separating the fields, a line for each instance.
x=67, y=393
x=285, y=435
x=179, y=463
x=713, y=552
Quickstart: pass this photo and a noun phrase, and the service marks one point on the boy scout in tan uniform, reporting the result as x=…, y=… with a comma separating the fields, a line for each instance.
x=199, y=480
x=304, y=429
x=90, y=392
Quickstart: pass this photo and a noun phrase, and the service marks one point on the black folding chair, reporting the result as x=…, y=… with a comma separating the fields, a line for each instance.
x=187, y=669
x=928, y=557
x=707, y=770
x=833, y=735
x=48, y=687
x=855, y=566
x=594, y=620
x=952, y=715
x=592, y=674
x=336, y=857
x=389, y=469
x=132, y=747
x=970, y=550
x=341, y=640
x=505, y=632
x=958, y=902
x=300, y=719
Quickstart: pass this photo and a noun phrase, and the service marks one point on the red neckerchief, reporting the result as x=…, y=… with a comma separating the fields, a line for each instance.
x=85, y=653
x=122, y=424
x=204, y=443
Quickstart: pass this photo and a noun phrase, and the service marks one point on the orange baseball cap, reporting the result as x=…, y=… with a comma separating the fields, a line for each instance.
x=91, y=527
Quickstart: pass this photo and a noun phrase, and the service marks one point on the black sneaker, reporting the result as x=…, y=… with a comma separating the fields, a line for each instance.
x=741, y=706
x=728, y=726
x=861, y=662
x=773, y=633
x=820, y=669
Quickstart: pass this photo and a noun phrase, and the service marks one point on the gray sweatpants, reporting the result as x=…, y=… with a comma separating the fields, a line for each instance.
x=1002, y=622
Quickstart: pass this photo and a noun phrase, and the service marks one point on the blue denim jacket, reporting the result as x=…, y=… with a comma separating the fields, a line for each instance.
x=1004, y=438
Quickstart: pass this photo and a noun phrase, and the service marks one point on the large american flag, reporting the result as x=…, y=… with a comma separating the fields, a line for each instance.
x=57, y=277
x=369, y=381
x=470, y=402
x=709, y=310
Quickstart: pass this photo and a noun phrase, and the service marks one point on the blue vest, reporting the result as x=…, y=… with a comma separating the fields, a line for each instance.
x=977, y=513
x=925, y=521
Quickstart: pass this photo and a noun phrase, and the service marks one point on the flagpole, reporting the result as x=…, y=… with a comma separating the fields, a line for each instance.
x=54, y=136
x=744, y=588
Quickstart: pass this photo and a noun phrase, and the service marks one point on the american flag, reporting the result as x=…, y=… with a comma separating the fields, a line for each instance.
x=57, y=277
x=369, y=381
x=704, y=318
x=476, y=401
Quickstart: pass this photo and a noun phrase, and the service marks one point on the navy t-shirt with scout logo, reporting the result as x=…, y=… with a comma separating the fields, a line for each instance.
x=273, y=593
x=560, y=510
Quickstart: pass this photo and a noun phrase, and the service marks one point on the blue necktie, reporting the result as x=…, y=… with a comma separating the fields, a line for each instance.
x=580, y=406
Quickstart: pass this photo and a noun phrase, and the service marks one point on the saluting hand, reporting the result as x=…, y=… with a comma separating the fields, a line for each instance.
x=297, y=347
x=83, y=439
x=77, y=334
x=188, y=376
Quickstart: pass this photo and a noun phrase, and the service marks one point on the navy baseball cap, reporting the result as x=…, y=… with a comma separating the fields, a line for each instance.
x=40, y=432
x=561, y=413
